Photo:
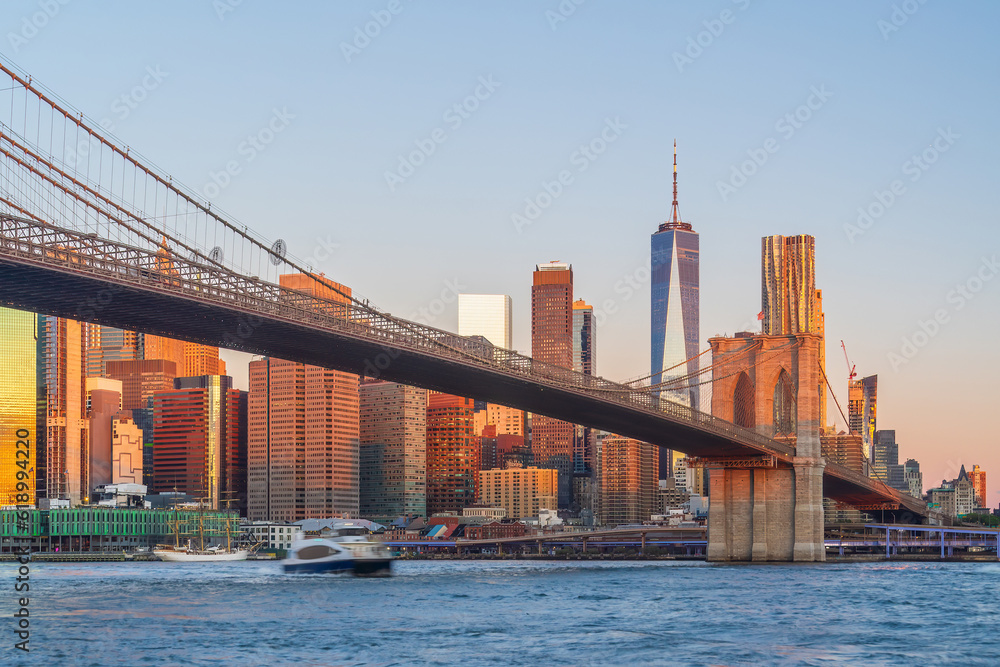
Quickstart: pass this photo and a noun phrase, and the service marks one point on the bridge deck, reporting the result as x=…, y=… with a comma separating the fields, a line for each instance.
x=80, y=276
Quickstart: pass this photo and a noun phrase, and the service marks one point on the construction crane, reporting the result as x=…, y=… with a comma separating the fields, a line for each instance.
x=851, y=374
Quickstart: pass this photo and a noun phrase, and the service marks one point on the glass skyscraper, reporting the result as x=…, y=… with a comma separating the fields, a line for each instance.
x=675, y=334
x=18, y=418
x=584, y=361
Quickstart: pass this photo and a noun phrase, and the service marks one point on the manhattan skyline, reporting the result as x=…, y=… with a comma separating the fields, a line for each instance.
x=851, y=108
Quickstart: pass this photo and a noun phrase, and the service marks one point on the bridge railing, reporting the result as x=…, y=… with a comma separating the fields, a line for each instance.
x=164, y=271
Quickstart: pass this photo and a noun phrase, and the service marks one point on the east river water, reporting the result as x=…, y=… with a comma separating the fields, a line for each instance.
x=508, y=612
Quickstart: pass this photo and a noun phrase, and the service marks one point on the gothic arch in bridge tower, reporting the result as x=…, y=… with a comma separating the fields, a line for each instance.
x=784, y=405
x=744, y=405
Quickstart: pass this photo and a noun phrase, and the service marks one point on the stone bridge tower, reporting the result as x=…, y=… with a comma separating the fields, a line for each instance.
x=772, y=384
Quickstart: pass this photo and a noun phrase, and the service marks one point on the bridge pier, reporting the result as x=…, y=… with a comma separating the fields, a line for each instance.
x=766, y=514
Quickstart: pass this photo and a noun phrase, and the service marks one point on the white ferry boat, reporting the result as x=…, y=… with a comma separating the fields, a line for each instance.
x=346, y=550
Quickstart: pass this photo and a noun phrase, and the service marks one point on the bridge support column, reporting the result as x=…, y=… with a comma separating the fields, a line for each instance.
x=751, y=514
x=767, y=514
x=810, y=543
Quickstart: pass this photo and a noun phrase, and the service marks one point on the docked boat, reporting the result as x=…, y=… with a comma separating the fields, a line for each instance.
x=188, y=554
x=346, y=550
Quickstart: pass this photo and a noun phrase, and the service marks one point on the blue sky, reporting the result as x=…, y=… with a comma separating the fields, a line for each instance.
x=885, y=80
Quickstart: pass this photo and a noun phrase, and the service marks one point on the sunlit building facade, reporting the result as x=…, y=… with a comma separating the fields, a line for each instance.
x=200, y=441
x=302, y=441
x=862, y=412
x=790, y=302
x=141, y=379
x=486, y=315
x=520, y=491
x=452, y=454
x=629, y=480
x=104, y=403
x=19, y=430
x=126, y=450
x=106, y=344
x=64, y=349
x=978, y=477
x=552, y=343
x=202, y=360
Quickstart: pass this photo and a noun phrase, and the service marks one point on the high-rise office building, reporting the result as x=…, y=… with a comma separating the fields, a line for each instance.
x=862, y=410
x=452, y=454
x=584, y=338
x=521, y=491
x=508, y=421
x=302, y=441
x=790, y=302
x=914, y=478
x=64, y=352
x=486, y=315
x=788, y=281
x=200, y=441
x=629, y=480
x=104, y=403
x=332, y=437
x=885, y=454
x=169, y=349
x=141, y=379
x=552, y=343
x=276, y=441
x=393, y=456
x=19, y=423
x=106, y=344
x=675, y=309
x=675, y=328
x=978, y=478
x=126, y=450
x=202, y=360
x=584, y=361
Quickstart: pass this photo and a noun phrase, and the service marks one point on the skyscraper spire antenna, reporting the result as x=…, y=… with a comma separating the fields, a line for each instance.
x=675, y=213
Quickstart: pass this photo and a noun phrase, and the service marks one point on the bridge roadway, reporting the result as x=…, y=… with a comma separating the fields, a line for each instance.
x=66, y=273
